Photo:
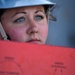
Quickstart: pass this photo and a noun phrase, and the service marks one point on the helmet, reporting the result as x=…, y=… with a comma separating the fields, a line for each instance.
x=5, y=4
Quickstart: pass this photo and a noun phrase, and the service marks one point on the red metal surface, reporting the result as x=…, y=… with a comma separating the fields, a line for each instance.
x=32, y=59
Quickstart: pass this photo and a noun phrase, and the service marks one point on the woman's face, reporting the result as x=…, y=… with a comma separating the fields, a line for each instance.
x=26, y=24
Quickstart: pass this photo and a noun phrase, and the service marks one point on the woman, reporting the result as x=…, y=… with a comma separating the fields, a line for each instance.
x=25, y=20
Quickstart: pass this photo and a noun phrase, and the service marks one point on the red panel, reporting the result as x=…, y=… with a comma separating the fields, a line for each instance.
x=32, y=59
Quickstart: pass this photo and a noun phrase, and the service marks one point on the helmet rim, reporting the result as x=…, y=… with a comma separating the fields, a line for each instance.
x=6, y=4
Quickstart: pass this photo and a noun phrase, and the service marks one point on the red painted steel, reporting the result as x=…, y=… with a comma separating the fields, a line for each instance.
x=33, y=59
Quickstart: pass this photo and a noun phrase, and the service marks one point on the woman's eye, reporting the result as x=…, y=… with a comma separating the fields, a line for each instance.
x=39, y=17
x=21, y=19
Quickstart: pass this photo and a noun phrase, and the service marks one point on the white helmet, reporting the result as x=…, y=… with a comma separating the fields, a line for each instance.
x=6, y=4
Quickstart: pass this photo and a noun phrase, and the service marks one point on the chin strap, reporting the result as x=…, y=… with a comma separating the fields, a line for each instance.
x=2, y=32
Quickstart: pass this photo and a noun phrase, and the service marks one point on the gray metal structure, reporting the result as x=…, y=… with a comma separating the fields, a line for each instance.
x=62, y=31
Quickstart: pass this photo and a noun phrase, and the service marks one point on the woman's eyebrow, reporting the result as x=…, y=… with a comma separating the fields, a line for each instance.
x=39, y=11
x=26, y=13
x=19, y=13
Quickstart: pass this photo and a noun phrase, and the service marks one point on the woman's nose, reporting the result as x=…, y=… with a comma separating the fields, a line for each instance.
x=33, y=27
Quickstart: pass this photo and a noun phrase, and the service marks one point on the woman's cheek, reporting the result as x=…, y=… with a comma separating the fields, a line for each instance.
x=44, y=32
x=16, y=34
x=44, y=29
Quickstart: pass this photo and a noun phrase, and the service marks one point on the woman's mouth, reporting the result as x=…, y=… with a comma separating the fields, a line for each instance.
x=35, y=41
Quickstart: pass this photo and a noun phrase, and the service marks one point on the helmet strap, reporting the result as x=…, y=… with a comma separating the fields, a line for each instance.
x=48, y=14
x=2, y=32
